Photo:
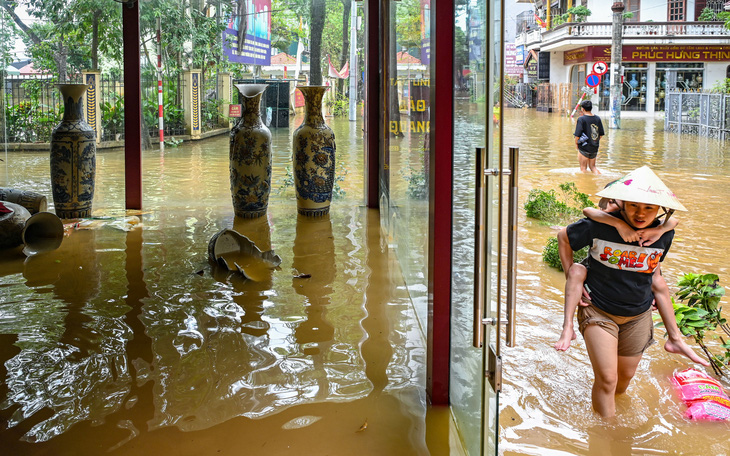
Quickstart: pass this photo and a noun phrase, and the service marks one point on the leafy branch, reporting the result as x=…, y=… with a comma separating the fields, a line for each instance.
x=698, y=313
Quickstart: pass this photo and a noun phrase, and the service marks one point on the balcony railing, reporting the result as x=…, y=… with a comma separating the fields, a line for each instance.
x=639, y=29
x=631, y=30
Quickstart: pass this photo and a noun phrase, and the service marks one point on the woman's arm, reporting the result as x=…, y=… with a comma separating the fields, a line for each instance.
x=565, y=251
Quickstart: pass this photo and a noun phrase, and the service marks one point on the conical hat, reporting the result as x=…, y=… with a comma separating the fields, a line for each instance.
x=642, y=186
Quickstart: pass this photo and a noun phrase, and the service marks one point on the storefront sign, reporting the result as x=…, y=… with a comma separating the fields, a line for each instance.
x=234, y=110
x=520, y=56
x=650, y=53
x=531, y=68
x=510, y=61
x=543, y=65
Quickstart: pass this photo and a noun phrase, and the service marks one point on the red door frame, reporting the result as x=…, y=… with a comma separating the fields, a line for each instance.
x=132, y=107
x=372, y=101
x=440, y=200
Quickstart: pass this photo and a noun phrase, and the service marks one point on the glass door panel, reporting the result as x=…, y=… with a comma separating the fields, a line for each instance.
x=404, y=177
x=477, y=70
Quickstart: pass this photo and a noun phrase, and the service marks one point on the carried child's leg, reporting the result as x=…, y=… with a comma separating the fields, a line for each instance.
x=675, y=342
x=573, y=293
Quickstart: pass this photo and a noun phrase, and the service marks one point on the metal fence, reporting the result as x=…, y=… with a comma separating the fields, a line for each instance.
x=699, y=113
x=32, y=106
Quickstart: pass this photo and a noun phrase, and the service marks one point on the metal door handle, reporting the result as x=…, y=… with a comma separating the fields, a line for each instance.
x=511, y=301
x=480, y=245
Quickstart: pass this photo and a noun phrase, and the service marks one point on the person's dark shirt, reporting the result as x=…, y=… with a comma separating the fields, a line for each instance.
x=592, y=127
x=619, y=273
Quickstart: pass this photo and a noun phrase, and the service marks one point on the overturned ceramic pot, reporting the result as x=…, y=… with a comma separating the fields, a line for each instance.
x=34, y=202
x=40, y=232
x=235, y=252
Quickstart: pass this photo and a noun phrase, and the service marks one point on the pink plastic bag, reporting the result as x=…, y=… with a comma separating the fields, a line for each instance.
x=709, y=410
x=703, y=394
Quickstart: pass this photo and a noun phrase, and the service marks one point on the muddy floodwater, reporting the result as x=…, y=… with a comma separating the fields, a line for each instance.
x=127, y=341
x=546, y=401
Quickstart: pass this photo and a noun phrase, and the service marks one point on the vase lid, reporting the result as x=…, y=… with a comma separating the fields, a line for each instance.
x=251, y=90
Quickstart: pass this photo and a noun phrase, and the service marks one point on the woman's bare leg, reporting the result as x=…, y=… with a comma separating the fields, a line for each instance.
x=602, y=350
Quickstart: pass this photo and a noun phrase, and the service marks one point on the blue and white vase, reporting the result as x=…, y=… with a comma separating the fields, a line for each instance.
x=250, y=156
x=314, y=149
x=633, y=82
x=73, y=157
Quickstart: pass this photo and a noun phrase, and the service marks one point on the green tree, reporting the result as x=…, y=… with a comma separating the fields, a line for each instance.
x=62, y=34
x=8, y=33
x=285, y=21
x=409, y=24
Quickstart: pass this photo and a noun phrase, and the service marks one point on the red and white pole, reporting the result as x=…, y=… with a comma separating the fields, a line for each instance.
x=159, y=82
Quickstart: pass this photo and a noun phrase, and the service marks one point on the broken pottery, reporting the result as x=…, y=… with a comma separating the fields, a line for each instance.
x=235, y=252
x=40, y=232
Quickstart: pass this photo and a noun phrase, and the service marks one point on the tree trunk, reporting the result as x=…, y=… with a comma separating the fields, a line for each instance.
x=95, y=40
x=315, y=42
x=60, y=59
x=347, y=5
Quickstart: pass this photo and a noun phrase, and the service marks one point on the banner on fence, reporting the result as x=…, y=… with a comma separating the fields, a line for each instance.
x=248, y=34
x=425, y=32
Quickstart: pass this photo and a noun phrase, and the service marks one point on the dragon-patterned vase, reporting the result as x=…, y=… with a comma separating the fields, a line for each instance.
x=73, y=157
x=314, y=156
x=250, y=156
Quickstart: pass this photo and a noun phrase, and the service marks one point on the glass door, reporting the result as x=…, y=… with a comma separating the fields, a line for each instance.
x=481, y=177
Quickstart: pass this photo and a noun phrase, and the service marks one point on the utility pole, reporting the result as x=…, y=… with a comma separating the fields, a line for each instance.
x=353, y=61
x=616, y=79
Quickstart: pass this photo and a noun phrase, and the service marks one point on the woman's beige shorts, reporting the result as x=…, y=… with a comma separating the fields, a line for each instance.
x=635, y=334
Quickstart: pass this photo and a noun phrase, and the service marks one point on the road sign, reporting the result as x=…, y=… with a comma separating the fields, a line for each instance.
x=593, y=80
x=600, y=68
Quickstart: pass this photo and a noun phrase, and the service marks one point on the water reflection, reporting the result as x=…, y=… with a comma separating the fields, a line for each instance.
x=135, y=333
x=70, y=347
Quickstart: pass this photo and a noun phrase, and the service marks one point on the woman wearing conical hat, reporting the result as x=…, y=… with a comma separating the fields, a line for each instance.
x=617, y=326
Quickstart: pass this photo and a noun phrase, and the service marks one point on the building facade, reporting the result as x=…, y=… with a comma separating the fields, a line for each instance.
x=665, y=47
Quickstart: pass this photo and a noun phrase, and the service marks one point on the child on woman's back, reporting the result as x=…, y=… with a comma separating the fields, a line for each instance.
x=577, y=294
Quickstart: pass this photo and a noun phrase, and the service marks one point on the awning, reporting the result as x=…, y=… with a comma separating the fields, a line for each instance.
x=11, y=70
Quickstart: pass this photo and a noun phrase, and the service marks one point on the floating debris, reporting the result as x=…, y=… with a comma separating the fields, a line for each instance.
x=235, y=252
x=301, y=421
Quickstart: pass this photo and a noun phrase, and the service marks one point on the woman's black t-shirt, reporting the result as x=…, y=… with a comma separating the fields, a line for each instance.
x=619, y=273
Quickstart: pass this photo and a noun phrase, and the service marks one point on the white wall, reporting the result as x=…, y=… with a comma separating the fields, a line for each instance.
x=600, y=11
x=656, y=10
x=714, y=71
x=559, y=73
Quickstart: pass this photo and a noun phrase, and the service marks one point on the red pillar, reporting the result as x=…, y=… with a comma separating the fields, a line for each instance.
x=132, y=107
x=373, y=110
x=440, y=200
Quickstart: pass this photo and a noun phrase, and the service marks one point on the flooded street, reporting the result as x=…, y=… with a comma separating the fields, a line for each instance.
x=546, y=401
x=125, y=340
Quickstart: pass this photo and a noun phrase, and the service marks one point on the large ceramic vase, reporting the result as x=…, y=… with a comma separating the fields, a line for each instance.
x=73, y=157
x=314, y=156
x=250, y=156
